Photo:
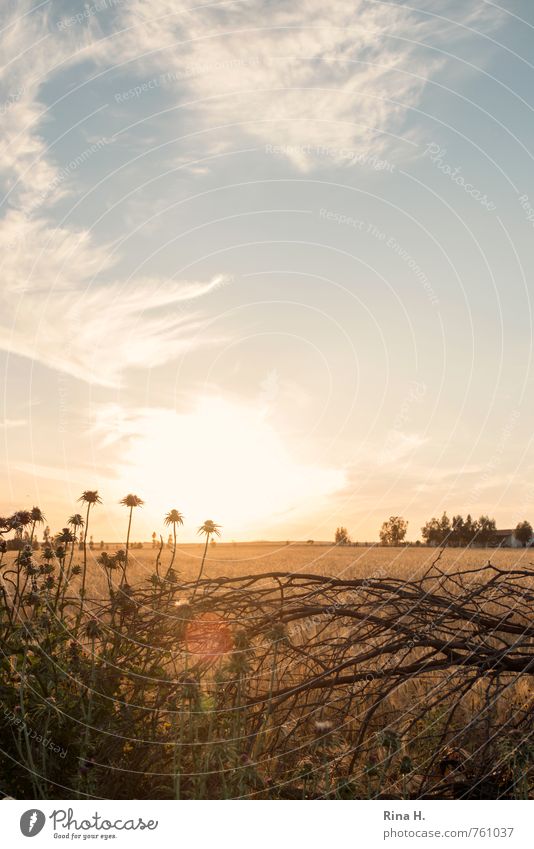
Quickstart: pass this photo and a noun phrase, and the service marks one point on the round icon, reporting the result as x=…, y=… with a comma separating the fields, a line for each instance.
x=32, y=822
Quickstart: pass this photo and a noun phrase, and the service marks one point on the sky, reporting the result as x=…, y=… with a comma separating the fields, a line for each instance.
x=268, y=263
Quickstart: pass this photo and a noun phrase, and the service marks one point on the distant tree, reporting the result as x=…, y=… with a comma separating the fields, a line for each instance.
x=457, y=531
x=430, y=532
x=485, y=529
x=468, y=530
x=342, y=536
x=393, y=531
x=523, y=533
x=437, y=531
x=445, y=529
x=310, y=542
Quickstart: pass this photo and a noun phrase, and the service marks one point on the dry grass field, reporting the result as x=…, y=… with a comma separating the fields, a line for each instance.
x=239, y=559
x=236, y=559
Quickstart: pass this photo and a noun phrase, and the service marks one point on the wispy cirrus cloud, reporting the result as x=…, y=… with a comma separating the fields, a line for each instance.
x=340, y=77
x=54, y=304
x=96, y=331
x=30, y=48
x=304, y=76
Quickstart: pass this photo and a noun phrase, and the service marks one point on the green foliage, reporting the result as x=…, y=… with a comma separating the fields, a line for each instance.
x=393, y=531
x=459, y=531
x=342, y=536
x=523, y=533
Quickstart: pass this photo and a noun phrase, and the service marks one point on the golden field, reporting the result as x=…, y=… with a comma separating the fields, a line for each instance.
x=236, y=559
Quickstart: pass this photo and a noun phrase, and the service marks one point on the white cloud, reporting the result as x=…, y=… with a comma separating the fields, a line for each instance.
x=53, y=310
x=30, y=47
x=53, y=306
x=305, y=74
x=301, y=75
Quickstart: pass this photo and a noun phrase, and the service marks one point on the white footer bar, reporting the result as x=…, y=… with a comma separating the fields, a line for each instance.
x=268, y=825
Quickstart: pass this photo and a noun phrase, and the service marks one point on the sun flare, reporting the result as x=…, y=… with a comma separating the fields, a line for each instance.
x=222, y=458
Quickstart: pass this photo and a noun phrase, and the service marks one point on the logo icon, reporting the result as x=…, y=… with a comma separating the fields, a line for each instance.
x=32, y=822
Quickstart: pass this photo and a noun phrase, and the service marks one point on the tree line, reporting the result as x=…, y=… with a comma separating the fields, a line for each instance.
x=456, y=531
x=462, y=532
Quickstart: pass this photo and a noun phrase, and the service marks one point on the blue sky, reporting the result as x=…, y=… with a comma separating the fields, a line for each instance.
x=268, y=263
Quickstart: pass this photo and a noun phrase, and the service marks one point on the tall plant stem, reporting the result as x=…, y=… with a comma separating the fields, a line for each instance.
x=201, y=566
x=173, y=554
x=127, y=545
x=174, y=549
x=84, y=574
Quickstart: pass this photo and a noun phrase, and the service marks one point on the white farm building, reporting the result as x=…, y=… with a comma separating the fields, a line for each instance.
x=506, y=539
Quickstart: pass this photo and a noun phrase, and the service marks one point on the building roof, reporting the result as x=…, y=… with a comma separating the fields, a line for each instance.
x=505, y=533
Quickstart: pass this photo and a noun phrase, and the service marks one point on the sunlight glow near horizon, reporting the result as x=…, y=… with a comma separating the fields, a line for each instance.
x=221, y=459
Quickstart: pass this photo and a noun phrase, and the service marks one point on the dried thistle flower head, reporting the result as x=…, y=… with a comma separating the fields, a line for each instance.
x=390, y=740
x=93, y=629
x=405, y=765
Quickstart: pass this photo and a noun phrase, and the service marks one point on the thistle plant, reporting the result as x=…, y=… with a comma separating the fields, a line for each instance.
x=131, y=501
x=208, y=529
x=174, y=517
x=37, y=518
x=90, y=497
x=75, y=522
